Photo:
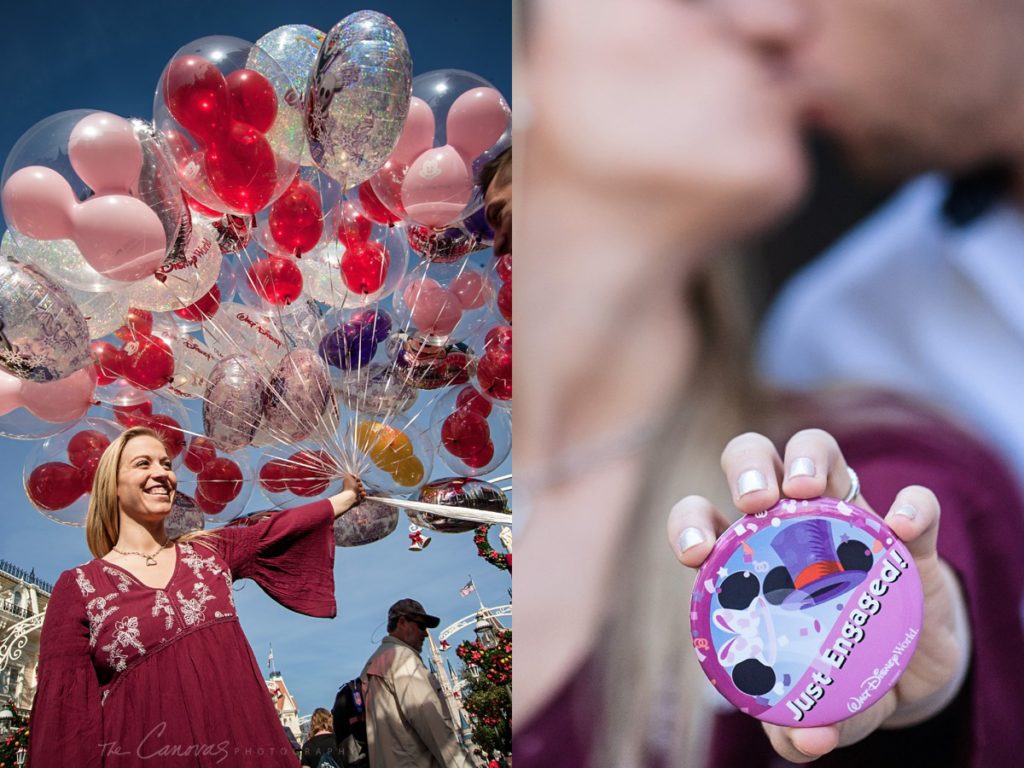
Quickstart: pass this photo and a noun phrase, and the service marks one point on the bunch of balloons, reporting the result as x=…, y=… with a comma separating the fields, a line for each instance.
x=282, y=274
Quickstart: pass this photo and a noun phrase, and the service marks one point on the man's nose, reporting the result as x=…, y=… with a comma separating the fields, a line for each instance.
x=772, y=27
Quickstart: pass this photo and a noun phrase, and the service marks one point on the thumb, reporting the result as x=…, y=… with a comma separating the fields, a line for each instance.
x=914, y=517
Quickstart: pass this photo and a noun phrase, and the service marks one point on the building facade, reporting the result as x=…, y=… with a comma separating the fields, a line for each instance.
x=23, y=600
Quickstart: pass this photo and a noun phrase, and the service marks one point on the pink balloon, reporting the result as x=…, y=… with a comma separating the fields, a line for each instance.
x=105, y=153
x=121, y=237
x=476, y=121
x=469, y=289
x=437, y=187
x=38, y=202
x=417, y=133
x=436, y=311
x=57, y=401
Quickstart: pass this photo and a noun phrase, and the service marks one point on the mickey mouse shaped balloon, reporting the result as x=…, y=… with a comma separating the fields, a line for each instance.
x=454, y=117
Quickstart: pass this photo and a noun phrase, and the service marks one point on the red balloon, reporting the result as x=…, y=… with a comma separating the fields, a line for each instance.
x=85, y=445
x=241, y=168
x=494, y=374
x=308, y=473
x=253, y=100
x=220, y=481
x=465, y=433
x=499, y=338
x=196, y=94
x=276, y=279
x=54, y=485
x=201, y=451
x=148, y=362
x=274, y=476
x=505, y=301
x=195, y=206
x=108, y=362
x=481, y=458
x=365, y=267
x=469, y=398
x=374, y=208
x=137, y=415
x=170, y=433
x=296, y=219
x=137, y=322
x=504, y=268
x=87, y=472
x=354, y=228
x=206, y=307
x=209, y=506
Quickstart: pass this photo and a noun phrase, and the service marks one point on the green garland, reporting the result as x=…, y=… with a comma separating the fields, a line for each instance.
x=487, y=552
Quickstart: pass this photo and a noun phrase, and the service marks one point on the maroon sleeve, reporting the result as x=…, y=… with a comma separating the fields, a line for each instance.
x=66, y=714
x=980, y=535
x=290, y=554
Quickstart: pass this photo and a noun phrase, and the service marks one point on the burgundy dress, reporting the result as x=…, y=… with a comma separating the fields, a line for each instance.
x=981, y=536
x=131, y=675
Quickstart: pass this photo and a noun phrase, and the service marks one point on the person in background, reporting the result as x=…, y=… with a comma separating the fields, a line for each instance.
x=656, y=136
x=927, y=295
x=321, y=740
x=496, y=182
x=405, y=726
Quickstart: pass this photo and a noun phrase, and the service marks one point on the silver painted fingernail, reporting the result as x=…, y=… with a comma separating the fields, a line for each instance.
x=690, y=537
x=750, y=481
x=906, y=510
x=802, y=467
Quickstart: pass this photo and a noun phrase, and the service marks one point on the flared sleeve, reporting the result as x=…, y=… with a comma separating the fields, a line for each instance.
x=290, y=554
x=66, y=715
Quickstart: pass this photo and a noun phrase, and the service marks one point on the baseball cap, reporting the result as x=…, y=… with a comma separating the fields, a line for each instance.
x=411, y=609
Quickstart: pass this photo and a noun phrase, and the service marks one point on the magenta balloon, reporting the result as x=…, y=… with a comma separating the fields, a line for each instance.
x=57, y=401
x=476, y=120
x=38, y=202
x=437, y=187
x=105, y=153
x=121, y=237
x=417, y=133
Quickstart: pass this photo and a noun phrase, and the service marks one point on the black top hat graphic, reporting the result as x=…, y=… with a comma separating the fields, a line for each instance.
x=818, y=574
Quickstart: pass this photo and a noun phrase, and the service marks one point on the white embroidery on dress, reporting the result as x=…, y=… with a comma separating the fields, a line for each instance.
x=98, y=612
x=197, y=563
x=163, y=605
x=193, y=610
x=123, y=582
x=126, y=635
x=83, y=583
x=103, y=699
x=231, y=589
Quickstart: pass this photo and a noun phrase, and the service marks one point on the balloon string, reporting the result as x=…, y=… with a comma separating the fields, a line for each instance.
x=459, y=513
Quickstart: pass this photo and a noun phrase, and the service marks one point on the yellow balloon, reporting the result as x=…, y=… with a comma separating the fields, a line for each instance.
x=409, y=472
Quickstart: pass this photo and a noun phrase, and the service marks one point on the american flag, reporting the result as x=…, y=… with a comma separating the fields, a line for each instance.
x=466, y=590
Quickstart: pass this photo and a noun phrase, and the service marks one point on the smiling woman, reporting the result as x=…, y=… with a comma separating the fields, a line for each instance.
x=153, y=614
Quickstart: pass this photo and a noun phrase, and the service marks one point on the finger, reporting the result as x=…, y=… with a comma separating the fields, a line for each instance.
x=693, y=526
x=752, y=466
x=802, y=745
x=814, y=466
x=914, y=517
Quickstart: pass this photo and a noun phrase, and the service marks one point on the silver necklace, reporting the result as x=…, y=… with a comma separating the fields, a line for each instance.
x=150, y=559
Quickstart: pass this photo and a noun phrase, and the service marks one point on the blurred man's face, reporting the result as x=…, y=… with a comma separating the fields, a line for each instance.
x=906, y=85
x=498, y=211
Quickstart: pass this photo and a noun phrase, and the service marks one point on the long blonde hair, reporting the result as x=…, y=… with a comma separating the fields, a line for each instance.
x=103, y=520
x=322, y=720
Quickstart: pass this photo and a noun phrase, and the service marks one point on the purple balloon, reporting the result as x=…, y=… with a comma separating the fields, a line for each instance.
x=476, y=224
x=349, y=346
x=376, y=321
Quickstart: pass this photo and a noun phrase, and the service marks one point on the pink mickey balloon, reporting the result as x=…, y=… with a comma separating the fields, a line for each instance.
x=121, y=237
x=105, y=153
x=57, y=401
x=38, y=202
x=476, y=120
x=417, y=133
x=437, y=187
x=435, y=310
x=470, y=289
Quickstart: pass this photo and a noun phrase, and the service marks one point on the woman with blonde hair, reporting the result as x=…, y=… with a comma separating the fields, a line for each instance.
x=321, y=740
x=142, y=655
x=648, y=138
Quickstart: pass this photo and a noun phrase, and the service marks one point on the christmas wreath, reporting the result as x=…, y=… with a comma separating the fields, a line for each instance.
x=488, y=553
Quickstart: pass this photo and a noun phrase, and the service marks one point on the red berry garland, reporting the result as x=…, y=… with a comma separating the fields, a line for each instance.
x=488, y=553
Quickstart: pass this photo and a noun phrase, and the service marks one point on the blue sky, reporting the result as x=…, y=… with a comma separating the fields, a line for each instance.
x=109, y=56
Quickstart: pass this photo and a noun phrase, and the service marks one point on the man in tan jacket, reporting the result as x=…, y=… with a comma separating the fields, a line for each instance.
x=405, y=725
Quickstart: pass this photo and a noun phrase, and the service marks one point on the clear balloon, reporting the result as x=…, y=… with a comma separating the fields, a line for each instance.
x=369, y=522
x=472, y=436
x=457, y=492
